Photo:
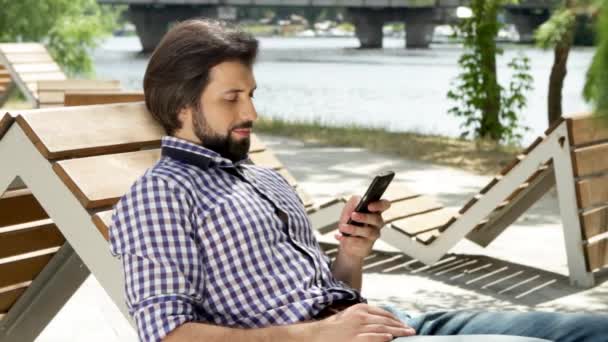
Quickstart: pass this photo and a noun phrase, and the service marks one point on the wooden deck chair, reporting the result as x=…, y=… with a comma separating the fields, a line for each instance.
x=28, y=63
x=573, y=154
x=52, y=93
x=60, y=201
x=6, y=84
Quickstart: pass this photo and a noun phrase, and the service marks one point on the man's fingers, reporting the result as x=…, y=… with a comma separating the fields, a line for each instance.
x=374, y=220
x=363, y=232
x=381, y=312
x=395, y=331
x=379, y=206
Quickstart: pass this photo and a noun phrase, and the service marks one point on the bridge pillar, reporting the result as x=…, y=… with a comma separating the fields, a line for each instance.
x=368, y=26
x=419, y=27
x=526, y=21
x=152, y=21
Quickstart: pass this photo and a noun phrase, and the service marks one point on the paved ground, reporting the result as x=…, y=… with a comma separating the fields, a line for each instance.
x=524, y=269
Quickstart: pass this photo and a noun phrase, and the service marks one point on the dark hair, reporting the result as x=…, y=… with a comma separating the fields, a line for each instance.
x=178, y=70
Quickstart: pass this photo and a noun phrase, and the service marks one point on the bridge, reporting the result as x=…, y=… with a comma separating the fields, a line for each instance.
x=152, y=17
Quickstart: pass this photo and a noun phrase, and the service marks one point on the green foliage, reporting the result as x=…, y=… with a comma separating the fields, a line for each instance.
x=489, y=110
x=555, y=30
x=596, y=85
x=70, y=28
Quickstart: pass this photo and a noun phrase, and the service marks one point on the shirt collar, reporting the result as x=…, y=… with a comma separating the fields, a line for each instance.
x=194, y=154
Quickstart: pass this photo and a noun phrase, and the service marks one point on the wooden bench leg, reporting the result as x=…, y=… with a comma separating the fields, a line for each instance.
x=45, y=297
x=580, y=276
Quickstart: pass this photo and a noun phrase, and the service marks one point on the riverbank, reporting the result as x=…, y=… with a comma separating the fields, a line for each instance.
x=481, y=157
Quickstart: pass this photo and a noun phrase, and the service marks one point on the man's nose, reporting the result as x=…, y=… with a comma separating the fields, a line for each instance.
x=248, y=112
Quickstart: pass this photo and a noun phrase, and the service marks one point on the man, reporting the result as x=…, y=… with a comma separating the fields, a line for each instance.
x=217, y=249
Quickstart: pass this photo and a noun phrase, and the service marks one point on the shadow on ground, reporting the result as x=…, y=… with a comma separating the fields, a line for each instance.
x=507, y=281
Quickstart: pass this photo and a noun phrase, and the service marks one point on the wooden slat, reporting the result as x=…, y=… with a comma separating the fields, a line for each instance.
x=14, y=270
x=306, y=199
x=428, y=237
x=490, y=185
x=424, y=222
x=511, y=164
x=88, y=178
x=41, y=76
x=35, y=68
x=288, y=177
x=28, y=237
x=594, y=222
x=9, y=295
x=20, y=206
x=5, y=122
x=397, y=192
x=410, y=207
x=74, y=98
x=266, y=159
x=590, y=160
x=586, y=129
x=29, y=57
x=533, y=145
x=46, y=96
x=597, y=254
x=91, y=130
x=102, y=221
x=8, y=48
x=592, y=191
x=470, y=203
x=79, y=85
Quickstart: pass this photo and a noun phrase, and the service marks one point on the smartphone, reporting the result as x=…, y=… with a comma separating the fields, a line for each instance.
x=374, y=193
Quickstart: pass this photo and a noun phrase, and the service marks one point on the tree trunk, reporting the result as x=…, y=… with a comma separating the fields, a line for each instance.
x=556, y=80
x=488, y=28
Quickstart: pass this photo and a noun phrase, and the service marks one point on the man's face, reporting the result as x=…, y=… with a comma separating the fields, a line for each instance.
x=224, y=121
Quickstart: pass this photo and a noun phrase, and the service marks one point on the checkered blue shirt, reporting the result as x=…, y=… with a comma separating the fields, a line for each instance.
x=203, y=239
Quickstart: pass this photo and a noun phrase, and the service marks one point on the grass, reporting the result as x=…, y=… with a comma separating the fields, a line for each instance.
x=482, y=157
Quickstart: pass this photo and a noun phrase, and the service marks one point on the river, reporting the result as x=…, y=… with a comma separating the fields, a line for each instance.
x=327, y=79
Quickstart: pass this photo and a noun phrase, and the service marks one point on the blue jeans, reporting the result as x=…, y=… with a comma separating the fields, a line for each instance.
x=546, y=325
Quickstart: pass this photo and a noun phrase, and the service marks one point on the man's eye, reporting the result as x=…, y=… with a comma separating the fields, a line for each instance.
x=231, y=99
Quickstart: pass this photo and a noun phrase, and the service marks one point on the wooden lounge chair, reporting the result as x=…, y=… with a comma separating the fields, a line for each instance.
x=28, y=63
x=39, y=78
x=573, y=154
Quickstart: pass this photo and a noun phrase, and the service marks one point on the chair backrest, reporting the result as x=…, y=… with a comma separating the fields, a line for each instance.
x=29, y=63
x=52, y=93
x=588, y=137
x=77, y=98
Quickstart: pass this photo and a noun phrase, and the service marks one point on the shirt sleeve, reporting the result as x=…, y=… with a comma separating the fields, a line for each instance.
x=163, y=269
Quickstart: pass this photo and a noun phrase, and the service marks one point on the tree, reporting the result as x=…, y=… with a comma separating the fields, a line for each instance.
x=557, y=33
x=488, y=108
x=70, y=28
x=596, y=85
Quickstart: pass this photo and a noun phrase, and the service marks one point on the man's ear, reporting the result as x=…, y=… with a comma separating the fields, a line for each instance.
x=184, y=116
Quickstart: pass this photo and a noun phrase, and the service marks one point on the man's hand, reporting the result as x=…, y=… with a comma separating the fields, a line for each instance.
x=362, y=239
x=361, y=322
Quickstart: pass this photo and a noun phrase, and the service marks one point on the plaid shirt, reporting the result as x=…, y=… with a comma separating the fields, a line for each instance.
x=203, y=239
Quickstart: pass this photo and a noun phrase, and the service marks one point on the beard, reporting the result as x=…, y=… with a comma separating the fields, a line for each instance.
x=225, y=145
